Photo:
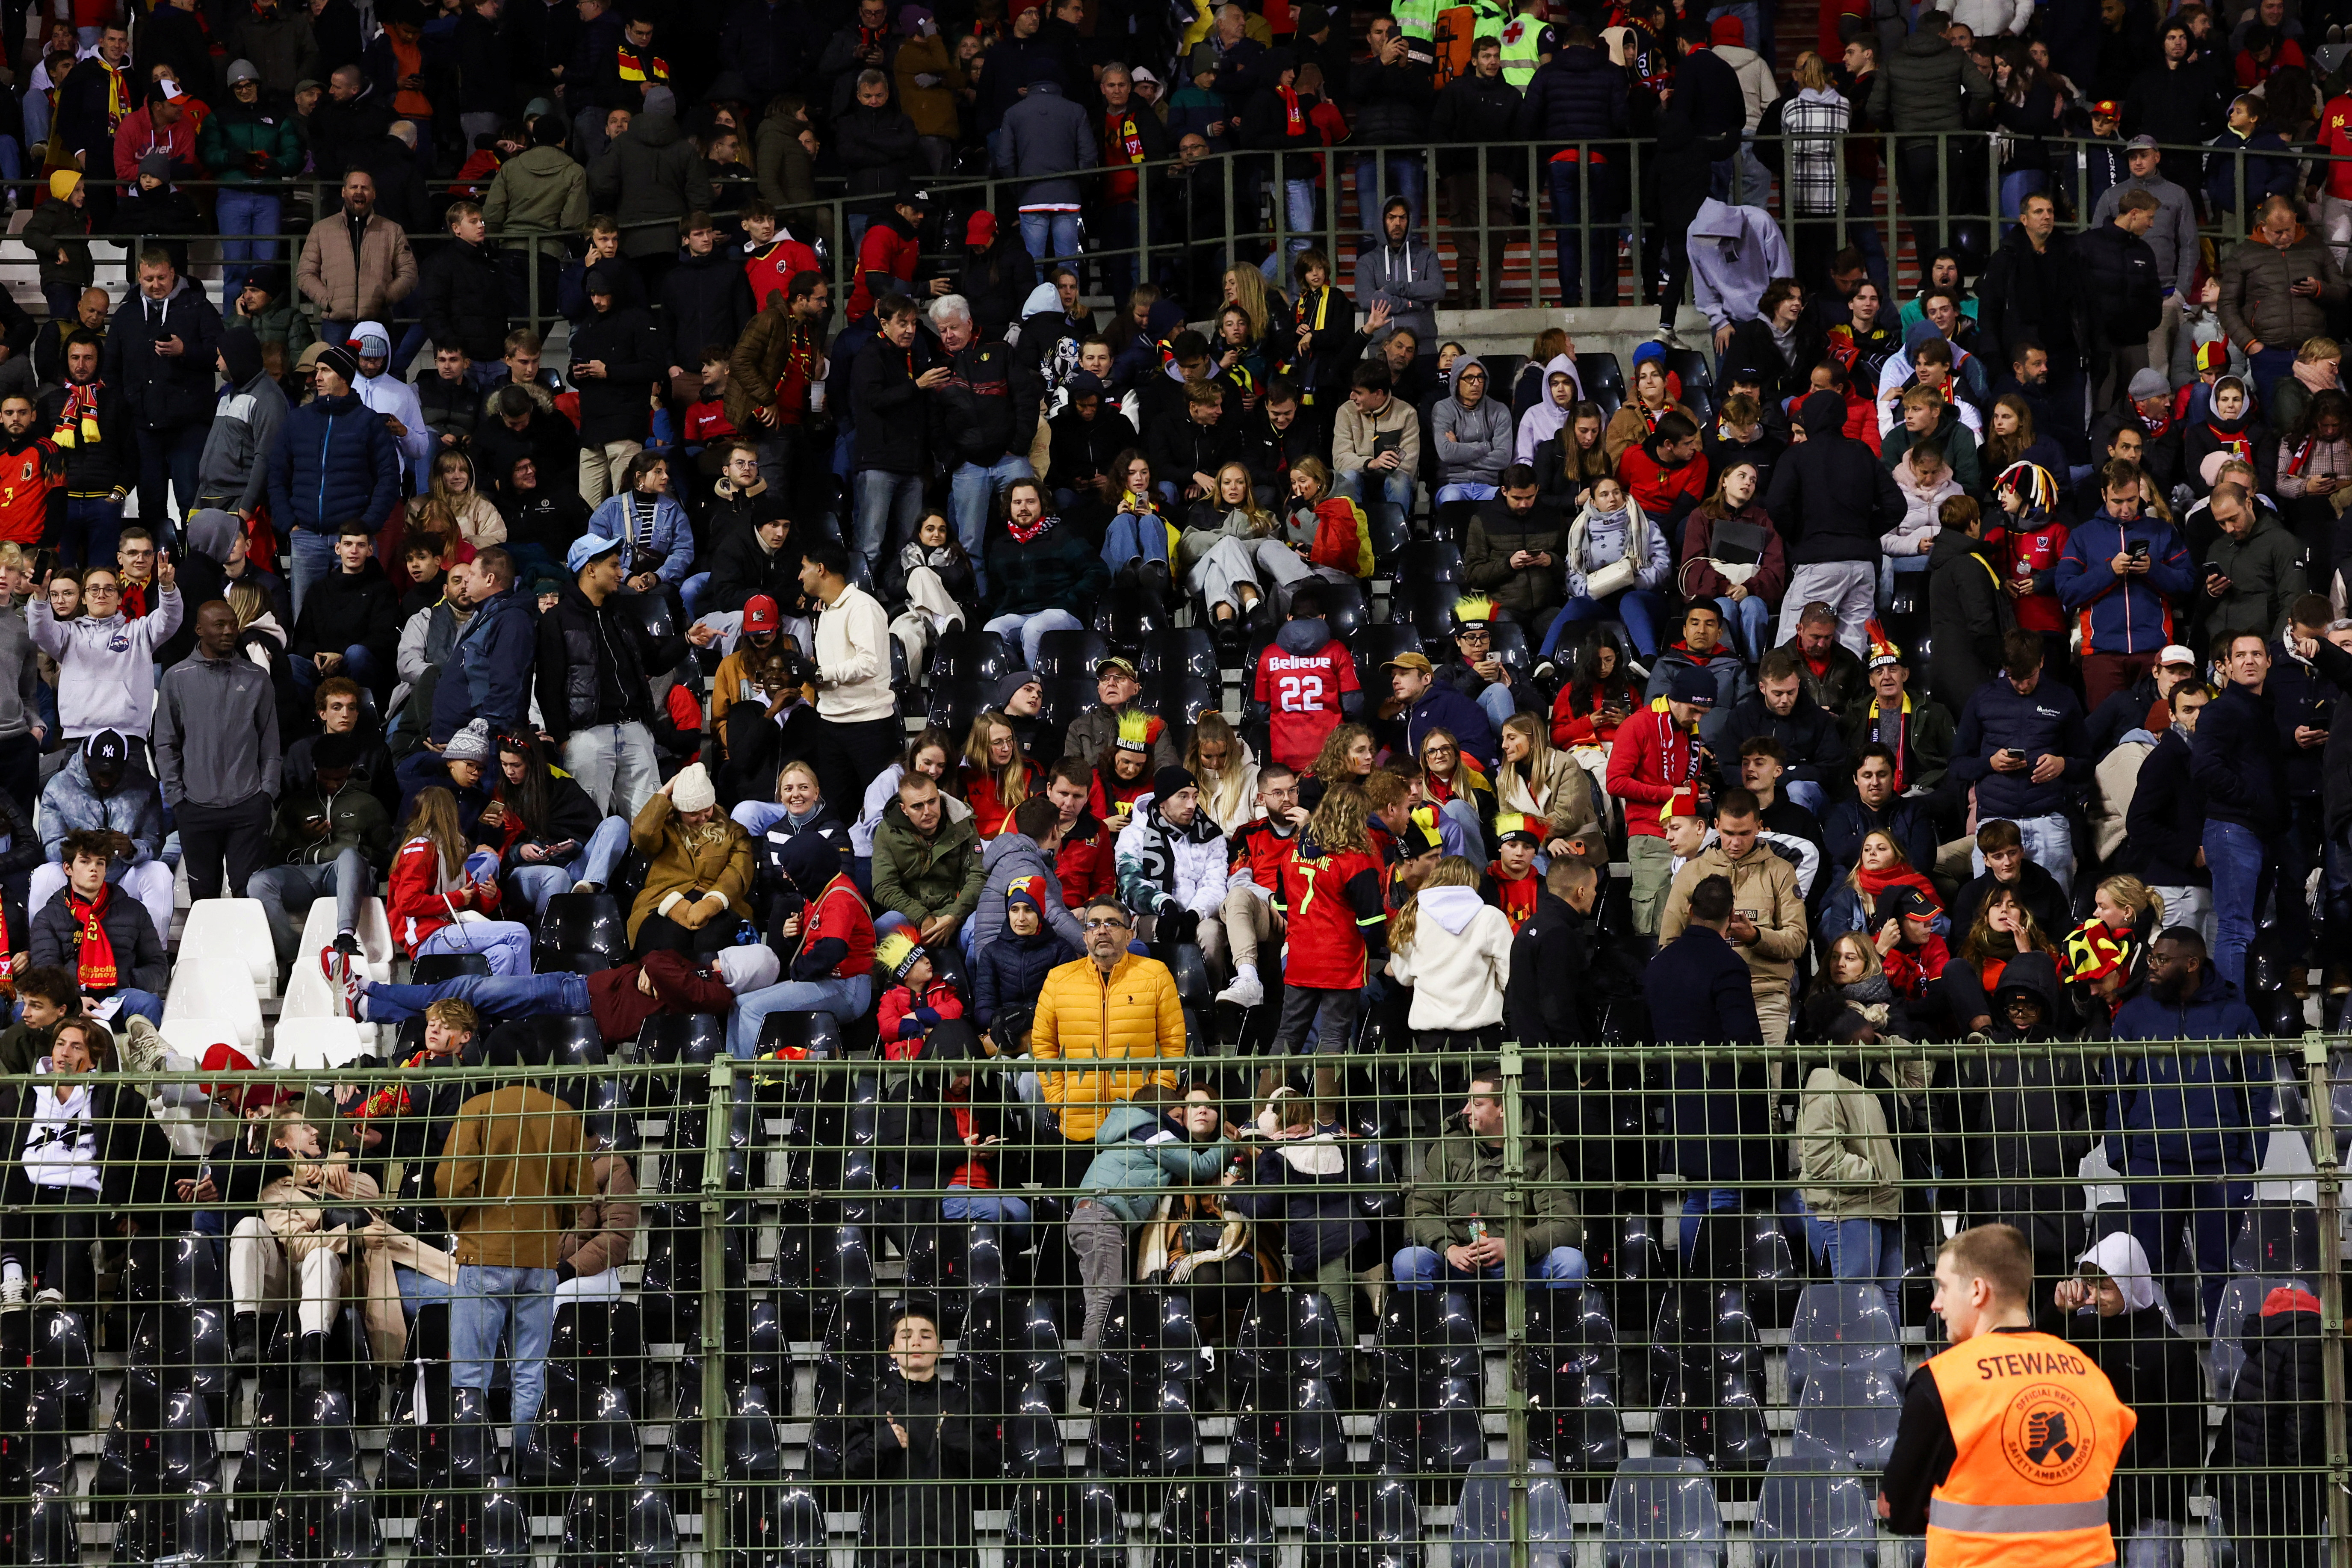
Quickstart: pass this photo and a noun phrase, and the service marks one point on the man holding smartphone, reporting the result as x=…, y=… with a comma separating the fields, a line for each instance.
x=2022, y=744
x=2123, y=571
x=332, y=837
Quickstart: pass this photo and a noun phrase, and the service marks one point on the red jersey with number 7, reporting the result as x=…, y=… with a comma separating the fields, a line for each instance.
x=1302, y=694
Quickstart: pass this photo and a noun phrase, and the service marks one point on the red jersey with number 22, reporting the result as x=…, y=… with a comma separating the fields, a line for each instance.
x=1302, y=694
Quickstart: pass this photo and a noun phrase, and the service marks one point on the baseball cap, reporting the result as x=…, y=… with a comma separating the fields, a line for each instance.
x=760, y=612
x=107, y=749
x=2142, y=142
x=2106, y=108
x=911, y=194
x=587, y=548
x=1907, y=899
x=1084, y=383
x=1124, y=666
x=980, y=229
x=2175, y=654
x=1409, y=661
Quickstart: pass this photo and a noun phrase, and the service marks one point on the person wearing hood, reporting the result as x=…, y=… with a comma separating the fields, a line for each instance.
x=649, y=179
x=2274, y=1439
x=2114, y=1310
x=391, y=399
x=337, y=461
x=1044, y=139
x=1305, y=685
x=616, y=358
x=350, y=620
x=232, y=474
x=1400, y=272
x=96, y=791
x=1835, y=497
x=819, y=927
x=1470, y=435
x=2183, y=1125
x=1735, y=254
x=2024, y=1116
x=160, y=353
x=2228, y=425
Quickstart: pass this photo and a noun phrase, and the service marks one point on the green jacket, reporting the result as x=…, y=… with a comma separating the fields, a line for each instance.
x=1931, y=734
x=21, y=1045
x=2265, y=574
x=1959, y=442
x=232, y=131
x=1464, y=1176
x=539, y=192
x=921, y=878
x=60, y=227
x=1127, y=1177
x=282, y=322
x=355, y=819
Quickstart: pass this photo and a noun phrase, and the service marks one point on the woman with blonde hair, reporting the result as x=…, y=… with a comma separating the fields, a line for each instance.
x=1224, y=765
x=454, y=511
x=996, y=776
x=1453, y=781
x=441, y=895
x=1536, y=780
x=1268, y=312
x=1233, y=552
x=1454, y=948
x=1331, y=956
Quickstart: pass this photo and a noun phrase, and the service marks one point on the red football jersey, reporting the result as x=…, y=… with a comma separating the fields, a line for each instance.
x=1302, y=695
x=840, y=912
x=1256, y=849
x=1516, y=900
x=1335, y=911
x=2034, y=551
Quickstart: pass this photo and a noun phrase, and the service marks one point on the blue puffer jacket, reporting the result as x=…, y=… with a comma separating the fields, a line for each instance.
x=69, y=804
x=2046, y=722
x=2124, y=615
x=672, y=544
x=333, y=461
x=489, y=669
x=1009, y=973
x=2184, y=1113
x=1577, y=96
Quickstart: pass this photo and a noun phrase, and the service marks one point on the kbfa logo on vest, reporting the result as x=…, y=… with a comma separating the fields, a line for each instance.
x=2047, y=1434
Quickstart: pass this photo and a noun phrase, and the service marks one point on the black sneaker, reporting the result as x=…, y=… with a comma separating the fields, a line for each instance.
x=347, y=944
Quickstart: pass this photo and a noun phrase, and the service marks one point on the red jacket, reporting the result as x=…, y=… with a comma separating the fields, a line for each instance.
x=32, y=493
x=2336, y=140
x=1571, y=728
x=1658, y=488
x=422, y=901
x=990, y=815
x=1260, y=851
x=1086, y=863
x=887, y=248
x=2036, y=551
x=902, y=1032
x=1650, y=760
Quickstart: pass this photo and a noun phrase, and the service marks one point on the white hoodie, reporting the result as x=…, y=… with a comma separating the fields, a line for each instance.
x=60, y=1139
x=1459, y=962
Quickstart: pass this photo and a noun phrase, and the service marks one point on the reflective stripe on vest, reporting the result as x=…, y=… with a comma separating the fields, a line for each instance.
x=1520, y=58
x=1417, y=18
x=2036, y=1432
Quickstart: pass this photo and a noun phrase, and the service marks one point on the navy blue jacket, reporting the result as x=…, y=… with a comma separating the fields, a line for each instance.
x=163, y=392
x=2187, y=1112
x=1700, y=993
x=1698, y=990
x=1442, y=707
x=2237, y=761
x=489, y=672
x=2049, y=722
x=1576, y=95
x=1902, y=820
x=2300, y=696
x=1009, y=973
x=333, y=461
x=1811, y=734
x=2166, y=824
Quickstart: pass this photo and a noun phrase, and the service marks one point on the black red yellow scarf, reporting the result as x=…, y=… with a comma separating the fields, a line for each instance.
x=77, y=420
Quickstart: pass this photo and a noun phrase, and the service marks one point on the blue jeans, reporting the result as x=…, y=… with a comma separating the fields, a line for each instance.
x=243, y=212
x=93, y=527
x=359, y=663
x=1603, y=184
x=973, y=492
x=1395, y=485
x=1807, y=793
x=2048, y=843
x=1417, y=1267
x=844, y=999
x=690, y=594
x=1462, y=491
x=1712, y=1200
x=1398, y=175
x=1640, y=609
x=2244, y=869
x=137, y=1004
x=1030, y=628
x=1869, y=1250
x=888, y=505
x=990, y=1208
x=1889, y=567
x=1050, y=236
x=2159, y=1200
x=1298, y=222
x=1134, y=537
x=2271, y=366
x=287, y=892
x=538, y=883
x=506, y=943
x=313, y=555
x=1751, y=624
x=487, y=1303
x=556, y=995
x=1497, y=703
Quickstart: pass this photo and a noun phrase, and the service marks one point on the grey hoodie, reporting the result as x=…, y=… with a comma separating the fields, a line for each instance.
x=216, y=732
x=1473, y=444
x=106, y=669
x=19, y=675
x=233, y=474
x=1010, y=854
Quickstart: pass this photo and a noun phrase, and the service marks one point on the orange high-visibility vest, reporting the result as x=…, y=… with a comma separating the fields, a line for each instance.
x=2036, y=1430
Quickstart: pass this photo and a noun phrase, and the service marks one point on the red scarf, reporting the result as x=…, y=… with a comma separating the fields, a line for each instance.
x=77, y=420
x=1029, y=534
x=1294, y=119
x=1876, y=883
x=2238, y=443
x=94, y=969
x=2303, y=457
x=1122, y=150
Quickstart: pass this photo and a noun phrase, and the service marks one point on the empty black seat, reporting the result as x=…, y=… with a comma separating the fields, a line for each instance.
x=1390, y=534
x=1190, y=649
x=1374, y=646
x=1178, y=697
x=1070, y=654
x=962, y=657
x=576, y=923
x=1603, y=379
x=433, y=968
x=1345, y=607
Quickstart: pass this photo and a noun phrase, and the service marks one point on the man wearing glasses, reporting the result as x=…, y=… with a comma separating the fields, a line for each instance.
x=1112, y=1022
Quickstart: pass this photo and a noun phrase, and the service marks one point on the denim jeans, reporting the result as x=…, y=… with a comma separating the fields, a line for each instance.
x=1134, y=537
x=614, y=764
x=1462, y=490
x=1751, y=621
x=1398, y=175
x=243, y=212
x=1497, y=703
x=313, y=555
x=535, y=884
x=2160, y=1200
x=888, y=507
x=359, y=663
x=1603, y=184
x=2242, y=865
x=517, y=1303
x=1417, y=1268
x=286, y=893
x=1710, y=1200
x=2048, y=843
x=1641, y=610
x=1869, y=1250
x=963, y=1205
x=1030, y=628
x=1051, y=236
x=973, y=492
x=137, y=1004
x=1807, y=793
x=506, y=943
x=554, y=995
x=845, y=999
x=94, y=526
x=1395, y=485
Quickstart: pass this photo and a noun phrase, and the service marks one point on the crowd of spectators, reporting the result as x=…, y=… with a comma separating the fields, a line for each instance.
x=858, y=657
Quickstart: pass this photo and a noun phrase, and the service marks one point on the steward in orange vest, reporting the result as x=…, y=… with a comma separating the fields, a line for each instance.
x=2008, y=1437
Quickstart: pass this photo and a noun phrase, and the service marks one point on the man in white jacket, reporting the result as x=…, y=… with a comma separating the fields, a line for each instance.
x=1173, y=867
x=393, y=398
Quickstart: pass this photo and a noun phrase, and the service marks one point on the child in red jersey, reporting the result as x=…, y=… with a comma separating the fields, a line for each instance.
x=1333, y=900
x=917, y=1003
x=1304, y=679
x=1511, y=880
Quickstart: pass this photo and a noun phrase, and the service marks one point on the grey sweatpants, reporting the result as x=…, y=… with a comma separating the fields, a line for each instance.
x=1098, y=1236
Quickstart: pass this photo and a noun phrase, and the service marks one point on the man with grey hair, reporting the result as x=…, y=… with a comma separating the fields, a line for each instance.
x=1132, y=135
x=989, y=408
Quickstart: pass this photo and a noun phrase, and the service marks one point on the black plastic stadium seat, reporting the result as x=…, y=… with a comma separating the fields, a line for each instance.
x=1374, y=646
x=1188, y=650
x=579, y=922
x=1179, y=698
x=1431, y=608
x=1603, y=378
x=1390, y=534
x=1692, y=367
x=433, y=968
x=1345, y=607
x=963, y=655
x=1070, y=655
x=1065, y=698
x=1427, y=560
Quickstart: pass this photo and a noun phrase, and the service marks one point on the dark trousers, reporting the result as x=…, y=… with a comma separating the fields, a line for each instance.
x=168, y=457
x=20, y=774
x=50, y=1242
x=1920, y=173
x=1465, y=195
x=849, y=756
x=659, y=934
x=210, y=834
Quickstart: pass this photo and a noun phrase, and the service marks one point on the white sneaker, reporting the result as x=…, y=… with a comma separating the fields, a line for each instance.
x=1667, y=335
x=347, y=978
x=51, y=1297
x=142, y=1046
x=1246, y=990
x=12, y=1295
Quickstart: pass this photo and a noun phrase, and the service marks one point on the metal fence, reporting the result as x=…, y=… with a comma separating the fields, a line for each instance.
x=1690, y=1372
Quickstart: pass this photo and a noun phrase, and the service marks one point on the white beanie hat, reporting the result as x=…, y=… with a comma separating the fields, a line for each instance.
x=691, y=790
x=747, y=969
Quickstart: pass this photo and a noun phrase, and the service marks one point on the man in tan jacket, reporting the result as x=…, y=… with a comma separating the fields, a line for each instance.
x=1768, y=917
x=513, y=1173
x=356, y=265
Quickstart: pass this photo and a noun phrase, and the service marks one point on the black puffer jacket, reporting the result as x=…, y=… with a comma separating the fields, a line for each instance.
x=1471, y=110
x=1927, y=84
x=1576, y=95
x=892, y=417
x=1829, y=493
x=593, y=660
x=988, y=409
x=2023, y=1118
x=93, y=468
x=463, y=299
x=342, y=609
x=705, y=301
x=2033, y=294
x=613, y=407
x=1392, y=103
x=2117, y=276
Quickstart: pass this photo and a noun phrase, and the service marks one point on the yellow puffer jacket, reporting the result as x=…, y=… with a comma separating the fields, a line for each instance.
x=1132, y=1015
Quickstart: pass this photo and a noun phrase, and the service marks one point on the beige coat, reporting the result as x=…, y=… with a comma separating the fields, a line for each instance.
x=721, y=865
x=1846, y=1156
x=1568, y=805
x=294, y=1208
x=360, y=290
x=1764, y=888
x=605, y=1226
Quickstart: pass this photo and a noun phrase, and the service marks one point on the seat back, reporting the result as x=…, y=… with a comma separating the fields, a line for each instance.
x=1841, y=1323
x=1482, y=1519
x=1813, y=1520
x=1853, y=1413
x=1662, y=1503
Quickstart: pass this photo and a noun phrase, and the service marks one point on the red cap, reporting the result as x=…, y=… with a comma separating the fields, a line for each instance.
x=761, y=614
x=980, y=230
x=2106, y=108
x=227, y=1058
